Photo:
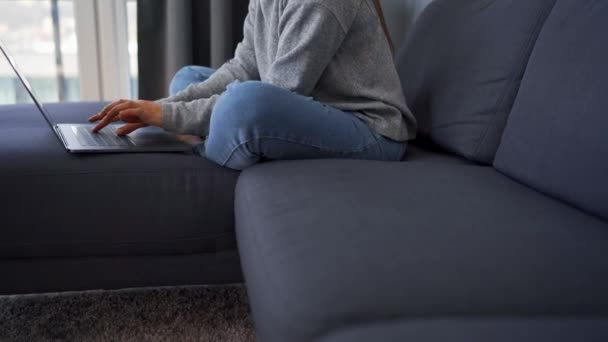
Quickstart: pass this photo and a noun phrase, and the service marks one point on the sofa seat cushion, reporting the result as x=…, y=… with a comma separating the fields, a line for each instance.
x=56, y=204
x=421, y=152
x=477, y=330
x=556, y=138
x=329, y=244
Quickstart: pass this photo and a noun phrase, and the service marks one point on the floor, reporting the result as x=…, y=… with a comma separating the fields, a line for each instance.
x=201, y=313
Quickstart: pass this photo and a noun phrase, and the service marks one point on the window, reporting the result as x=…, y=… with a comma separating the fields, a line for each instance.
x=132, y=33
x=45, y=47
x=58, y=44
x=11, y=90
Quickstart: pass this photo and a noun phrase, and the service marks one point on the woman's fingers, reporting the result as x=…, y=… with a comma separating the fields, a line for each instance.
x=112, y=114
x=128, y=128
x=105, y=110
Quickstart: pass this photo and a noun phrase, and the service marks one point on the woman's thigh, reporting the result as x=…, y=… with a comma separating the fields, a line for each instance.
x=255, y=120
x=189, y=75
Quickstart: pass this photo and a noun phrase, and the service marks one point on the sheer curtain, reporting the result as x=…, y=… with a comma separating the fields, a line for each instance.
x=176, y=33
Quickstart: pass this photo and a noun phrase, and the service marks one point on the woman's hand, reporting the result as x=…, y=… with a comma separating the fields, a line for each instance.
x=136, y=114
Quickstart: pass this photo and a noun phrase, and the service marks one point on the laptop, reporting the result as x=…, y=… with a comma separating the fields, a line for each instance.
x=79, y=138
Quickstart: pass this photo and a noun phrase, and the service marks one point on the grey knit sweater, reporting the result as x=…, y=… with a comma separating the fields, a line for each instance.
x=332, y=50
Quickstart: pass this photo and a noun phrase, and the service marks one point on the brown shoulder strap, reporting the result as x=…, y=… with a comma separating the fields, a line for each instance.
x=383, y=22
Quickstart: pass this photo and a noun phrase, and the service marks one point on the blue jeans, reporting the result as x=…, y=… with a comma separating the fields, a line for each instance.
x=254, y=121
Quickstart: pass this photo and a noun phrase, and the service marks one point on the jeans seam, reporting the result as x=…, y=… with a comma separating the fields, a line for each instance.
x=359, y=150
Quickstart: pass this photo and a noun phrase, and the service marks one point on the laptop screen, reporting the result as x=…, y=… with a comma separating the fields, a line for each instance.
x=30, y=91
x=11, y=90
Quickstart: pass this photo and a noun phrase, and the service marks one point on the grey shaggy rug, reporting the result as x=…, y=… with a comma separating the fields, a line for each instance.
x=200, y=313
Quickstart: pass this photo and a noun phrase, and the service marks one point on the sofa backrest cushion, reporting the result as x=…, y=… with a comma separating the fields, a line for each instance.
x=461, y=66
x=556, y=139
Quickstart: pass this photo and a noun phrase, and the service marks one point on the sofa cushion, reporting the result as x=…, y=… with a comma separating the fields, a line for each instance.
x=56, y=204
x=476, y=330
x=461, y=67
x=416, y=152
x=331, y=244
x=43, y=275
x=556, y=139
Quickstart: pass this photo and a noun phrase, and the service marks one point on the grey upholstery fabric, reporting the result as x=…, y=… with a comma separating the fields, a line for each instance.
x=42, y=275
x=461, y=68
x=322, y=249
x=557, y=136
x=400, y=16
x=477, y=330
x=58, y=205
x=416, y=152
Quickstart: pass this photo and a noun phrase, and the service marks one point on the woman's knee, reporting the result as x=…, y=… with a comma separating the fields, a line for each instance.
x=188, y=75
x=241, y=115
x=245, y=106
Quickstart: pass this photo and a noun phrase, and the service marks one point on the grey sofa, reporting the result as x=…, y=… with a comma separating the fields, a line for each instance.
x=505, y=239
x=76, y=222
x=494, y=227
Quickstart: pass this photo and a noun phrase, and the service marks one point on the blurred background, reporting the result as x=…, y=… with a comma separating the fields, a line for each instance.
x=91, y=50
x=42, y=37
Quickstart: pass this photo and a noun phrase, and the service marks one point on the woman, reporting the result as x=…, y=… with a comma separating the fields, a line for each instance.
x=311, y=79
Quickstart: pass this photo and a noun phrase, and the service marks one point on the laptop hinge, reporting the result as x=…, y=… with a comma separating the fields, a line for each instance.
x=60, y=135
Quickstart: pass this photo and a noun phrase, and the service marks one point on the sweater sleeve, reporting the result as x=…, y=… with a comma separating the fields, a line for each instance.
x=190, y=108
x=191, y=117
x=310, y=35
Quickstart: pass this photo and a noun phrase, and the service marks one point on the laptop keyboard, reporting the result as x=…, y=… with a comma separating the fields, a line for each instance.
x=105, y=138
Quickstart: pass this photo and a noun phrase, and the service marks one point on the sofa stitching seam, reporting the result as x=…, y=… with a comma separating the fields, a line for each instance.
x=521, y=66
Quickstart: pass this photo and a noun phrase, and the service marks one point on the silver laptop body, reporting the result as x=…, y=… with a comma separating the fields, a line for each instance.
x=78, y=138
